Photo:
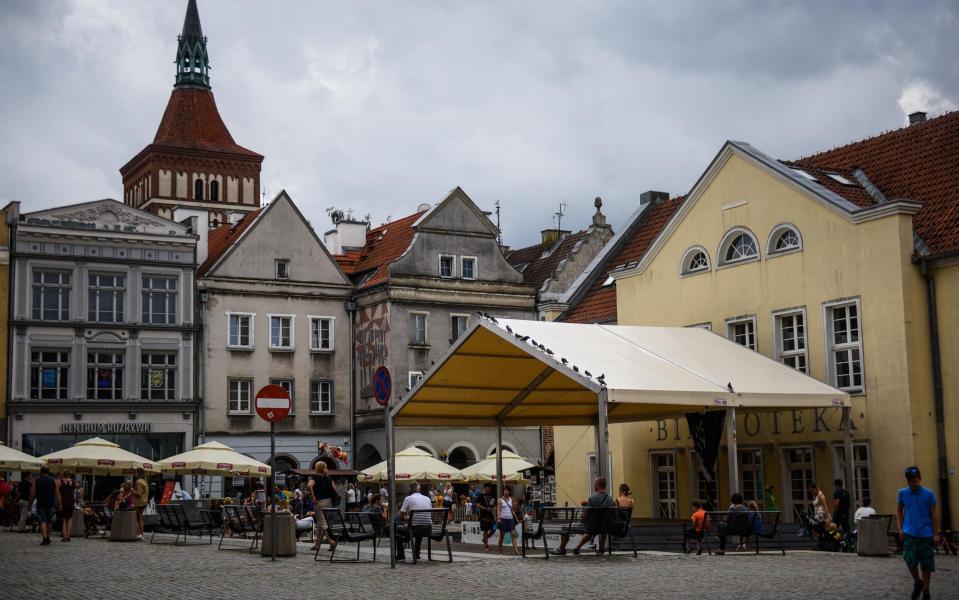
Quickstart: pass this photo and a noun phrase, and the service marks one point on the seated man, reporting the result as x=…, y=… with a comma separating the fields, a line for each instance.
x=737, y=522
x=421, y=526
x=701, y=524
x=306, y=524
x=599, y=499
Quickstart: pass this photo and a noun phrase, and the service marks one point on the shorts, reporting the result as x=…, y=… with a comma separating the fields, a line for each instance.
x=507, y=525
x=45, y=515
x=919, y=552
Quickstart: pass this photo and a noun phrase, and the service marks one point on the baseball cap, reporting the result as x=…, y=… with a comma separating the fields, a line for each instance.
x=912, y=472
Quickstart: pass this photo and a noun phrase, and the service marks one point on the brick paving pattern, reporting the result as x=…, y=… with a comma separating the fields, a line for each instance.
x=97, y=568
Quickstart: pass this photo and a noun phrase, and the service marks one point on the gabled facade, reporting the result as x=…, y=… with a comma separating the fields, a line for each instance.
x=274, y=307
x=420, y=281
x=103, y=329
x=841, y=265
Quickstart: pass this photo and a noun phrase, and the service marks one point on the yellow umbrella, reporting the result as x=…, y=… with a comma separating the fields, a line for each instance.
x=485, y=470
x=214, y=458
x=96, y=456
x=14, y=460
x=413, y=464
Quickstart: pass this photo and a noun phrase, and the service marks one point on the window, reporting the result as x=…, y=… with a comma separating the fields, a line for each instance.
x=663, y=469
x=695, y=260
x=742, y=330
x=49, y=374
x=321, y=334
x=839, y=178
x=790, y=330
x=321, y=397
x=159, y=300
x=413, y=377
x=844, y=342
x=290, y=387
x=802, y=173
x=751, y=474
x=106, y=297
x=861, y=456
x=240, y=330
x=51, y=295
x=105, y=375
x=458, y=325
x=214, y=190
x=738, y=245
x=446, y=265
x=418, y=329
x=158, y=376
x=784, y=238
x=282, y=268
x=238, y=396
x=799, y=471
x=468, y=267
x=281, y=332
x=198, y=189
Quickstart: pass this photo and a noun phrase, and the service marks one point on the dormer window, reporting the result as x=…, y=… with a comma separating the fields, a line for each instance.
x=282, y=268
x=446, y=265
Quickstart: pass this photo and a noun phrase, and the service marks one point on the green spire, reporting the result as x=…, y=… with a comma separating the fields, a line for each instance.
x=192, y=60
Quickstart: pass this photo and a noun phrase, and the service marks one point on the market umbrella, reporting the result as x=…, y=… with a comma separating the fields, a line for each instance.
x=413, y=464
x=14, y=460
x=96, y=456
x=485, y=470
x=214, y=458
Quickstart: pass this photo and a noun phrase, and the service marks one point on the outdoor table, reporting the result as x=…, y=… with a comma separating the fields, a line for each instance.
x=285, y=535
x=124, y=527
x=873, y=536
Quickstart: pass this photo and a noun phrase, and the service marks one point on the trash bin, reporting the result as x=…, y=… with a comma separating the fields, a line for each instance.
x=77, y=528
x=285, y=535
x=124, y=526
x=873, y=538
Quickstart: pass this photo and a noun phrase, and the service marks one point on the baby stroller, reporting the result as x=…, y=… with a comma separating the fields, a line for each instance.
x=828, y=538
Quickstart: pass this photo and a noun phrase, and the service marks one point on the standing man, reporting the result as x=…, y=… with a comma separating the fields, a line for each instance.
x=141, y=497
x=916, y=516
x=25, y=488
x=48, y=499
x=840, y=506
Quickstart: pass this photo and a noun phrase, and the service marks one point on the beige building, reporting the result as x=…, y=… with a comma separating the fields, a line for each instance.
x=842, y=265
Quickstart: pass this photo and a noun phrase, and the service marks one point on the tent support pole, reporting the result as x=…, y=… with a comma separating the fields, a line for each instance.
x=850, y=470
x=391, y=477
x=499, y=458
x=732, y=449
x=602, y=438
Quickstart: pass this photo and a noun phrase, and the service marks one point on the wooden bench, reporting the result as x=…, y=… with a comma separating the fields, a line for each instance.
x=350, y=528
x=241, y=520
x=175, y=518
x=435, y=531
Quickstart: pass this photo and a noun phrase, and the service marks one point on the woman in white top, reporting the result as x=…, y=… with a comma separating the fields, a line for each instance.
x=506, y=520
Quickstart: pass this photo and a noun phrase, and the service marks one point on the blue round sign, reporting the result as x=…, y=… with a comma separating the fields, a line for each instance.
x=382, y=385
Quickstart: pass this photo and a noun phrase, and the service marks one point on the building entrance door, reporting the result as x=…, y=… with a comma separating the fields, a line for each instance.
x=799, y=474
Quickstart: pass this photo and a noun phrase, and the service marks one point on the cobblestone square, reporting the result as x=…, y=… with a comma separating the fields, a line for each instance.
x=97, y=568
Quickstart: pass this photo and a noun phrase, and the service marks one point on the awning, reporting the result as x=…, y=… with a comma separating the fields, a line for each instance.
x=530, y=373
x=97, y=456
x=214, y=458
x=14, y=460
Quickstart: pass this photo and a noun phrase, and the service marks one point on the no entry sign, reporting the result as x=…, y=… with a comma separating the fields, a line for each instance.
x=382, y=385
x=272, y=403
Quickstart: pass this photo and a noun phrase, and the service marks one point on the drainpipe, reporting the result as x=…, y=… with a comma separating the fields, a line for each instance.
x=12, y=233
x=946, y=519
x=351, y=311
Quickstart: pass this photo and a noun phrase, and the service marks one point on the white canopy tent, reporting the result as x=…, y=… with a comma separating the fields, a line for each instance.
x=514, y=373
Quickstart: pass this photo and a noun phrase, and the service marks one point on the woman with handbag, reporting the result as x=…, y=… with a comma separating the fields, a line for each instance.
x=323, y=492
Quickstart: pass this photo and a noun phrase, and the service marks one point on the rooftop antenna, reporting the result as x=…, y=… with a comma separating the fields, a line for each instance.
x=563, y=207
x=499, y=239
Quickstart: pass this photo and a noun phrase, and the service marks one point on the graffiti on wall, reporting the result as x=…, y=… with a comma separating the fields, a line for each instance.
x=372, y=325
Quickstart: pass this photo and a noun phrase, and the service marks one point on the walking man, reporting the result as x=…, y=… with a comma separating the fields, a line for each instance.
x=141, y=497
x=916, y=516
x=48, y=498
x=840, y=506
x=26, y=500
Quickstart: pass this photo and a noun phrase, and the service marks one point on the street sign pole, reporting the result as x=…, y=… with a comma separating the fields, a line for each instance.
x=272, y=493
x=272, y=403
x=382, y=391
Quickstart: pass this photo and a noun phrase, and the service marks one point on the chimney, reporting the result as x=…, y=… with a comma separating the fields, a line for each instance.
x=550, y=236
x=917, y=117
x=347, y=235
x=652, y=197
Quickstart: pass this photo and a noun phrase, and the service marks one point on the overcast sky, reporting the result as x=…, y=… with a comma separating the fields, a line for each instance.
x=381, y=106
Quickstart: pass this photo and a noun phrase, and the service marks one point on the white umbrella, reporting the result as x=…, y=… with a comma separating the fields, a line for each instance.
x=14, y=460
x=214, y=458
x=413, y=464
x=96, y=456
x=485, y=470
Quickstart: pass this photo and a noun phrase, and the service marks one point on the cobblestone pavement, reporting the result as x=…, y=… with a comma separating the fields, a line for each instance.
x=97, y=568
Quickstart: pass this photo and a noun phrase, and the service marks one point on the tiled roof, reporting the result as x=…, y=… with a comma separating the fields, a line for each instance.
x=384, y=244
x=598, y=305
x=852, y=191
x=919, y=162
x=221, y=238
x=191, y=120
x=540, y=268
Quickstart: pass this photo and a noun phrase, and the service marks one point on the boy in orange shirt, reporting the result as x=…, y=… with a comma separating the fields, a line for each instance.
x=701, y=523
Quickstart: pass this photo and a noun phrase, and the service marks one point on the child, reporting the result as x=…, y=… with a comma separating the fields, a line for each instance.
x=701, y=523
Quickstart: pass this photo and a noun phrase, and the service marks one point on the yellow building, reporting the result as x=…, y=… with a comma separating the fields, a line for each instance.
x=11, y=213
x=844, y=265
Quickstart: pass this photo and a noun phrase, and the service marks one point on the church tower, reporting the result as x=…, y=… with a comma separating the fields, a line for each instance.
x=193, y=161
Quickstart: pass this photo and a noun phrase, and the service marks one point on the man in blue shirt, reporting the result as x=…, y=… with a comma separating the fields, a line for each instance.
x=916, y=516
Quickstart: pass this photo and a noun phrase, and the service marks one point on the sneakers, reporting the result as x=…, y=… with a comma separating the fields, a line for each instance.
x=559, y=551
x=576, y=551
x=916, y=590
x=45, y=542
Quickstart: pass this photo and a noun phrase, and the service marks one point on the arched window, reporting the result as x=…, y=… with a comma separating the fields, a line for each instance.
x=738, y=245
x=214, y=190
x=198, y=189
x=695, y=260
x=784, y=238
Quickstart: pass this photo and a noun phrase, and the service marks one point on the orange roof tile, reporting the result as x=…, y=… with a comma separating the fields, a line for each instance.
x=221, y=238
x=540, y=268
x=384, y=245
x=191, y=120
